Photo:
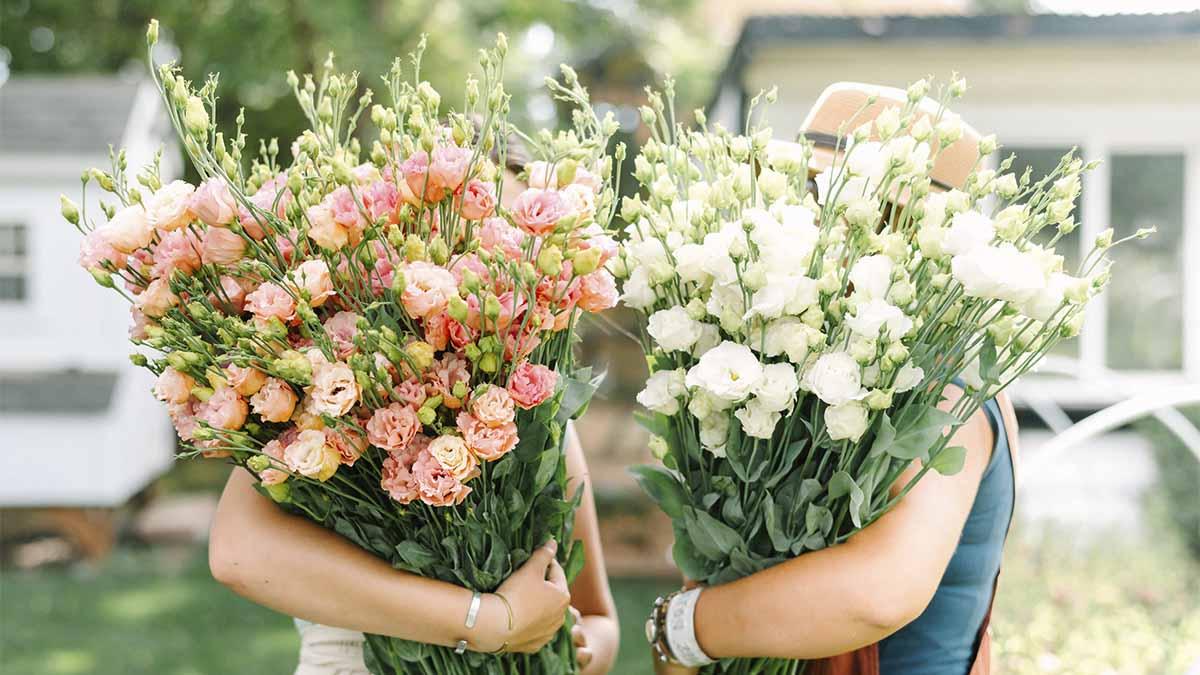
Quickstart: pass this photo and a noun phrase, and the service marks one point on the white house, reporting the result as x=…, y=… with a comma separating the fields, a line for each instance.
x=78, y=426
x=1124, y=89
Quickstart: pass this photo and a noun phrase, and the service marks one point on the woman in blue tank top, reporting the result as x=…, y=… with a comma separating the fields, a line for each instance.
x=910, y=594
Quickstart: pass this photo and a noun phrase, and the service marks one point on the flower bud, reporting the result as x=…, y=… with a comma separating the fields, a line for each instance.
x=152, y=33
x=658, y=447
x=988, y=145
x=550, y=260
x=280, y=492
x=586, y=261
x=101, y=277
x=1104, y=239
x=489, y=363
x=195, y=116
x=879, y=399
x=426, y=415
x=420, y=353
x=439, y=252
x=258, y=463
x=139, y=360
x=491, y=307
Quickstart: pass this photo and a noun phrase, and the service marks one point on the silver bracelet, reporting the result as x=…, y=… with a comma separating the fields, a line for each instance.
x=681, y=630
x=472, y=617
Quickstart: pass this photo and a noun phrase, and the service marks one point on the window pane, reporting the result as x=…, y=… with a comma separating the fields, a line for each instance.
x=12, y=240
x=1042, y=161
x=12, y=287
x=1145, y=301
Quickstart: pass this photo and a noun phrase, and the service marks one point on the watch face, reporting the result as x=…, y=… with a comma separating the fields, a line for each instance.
x=650, y=632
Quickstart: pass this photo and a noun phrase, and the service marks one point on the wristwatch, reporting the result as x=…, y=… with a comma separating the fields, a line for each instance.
x=656, y=628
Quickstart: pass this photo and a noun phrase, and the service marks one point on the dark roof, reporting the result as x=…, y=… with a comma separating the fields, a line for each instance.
x=56, y=392
x=772, y=30
x=78, y=115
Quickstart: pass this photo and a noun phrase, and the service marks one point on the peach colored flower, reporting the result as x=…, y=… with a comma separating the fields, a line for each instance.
x=538, y=211
x=334, y=390
x=313, y=276
x=349, y=444
x=445, y=373
x=597, y=291
x=345, y=212
x=448, y=167
x=530, y=385
x=169, y=208
x=411, y=392
x=173, y=386
x=183, y=418
x=324, y=230
x=453, y=454
x=342, y=328
x=494, y=407
x=459, y=334
x=393, y=427
x=497, y=234
x=129, y=229
x=213, y=203
x=277, y=473
x=478, y=200
x=245, y=380
x=579, y=200
x=382, y=201
x=311, y=455
x=222, y=246
x=398, y=479
x=233, y=291
x=177, y=250
x=540, y=175
x=437, y=486
x=270, y=300
x=275, y=401
x=156, y=299
x=95, y=250
x=436, y=331
x=417, y=177
x=427, y=290
x=137, y=329
x=225, y=409
x=488, y=443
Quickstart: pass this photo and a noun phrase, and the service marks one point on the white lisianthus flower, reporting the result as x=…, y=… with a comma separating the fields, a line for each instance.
x=998, y=273
x=651, y=255
x=872, y=275
x=968, y=231
x=673, y=329
x=790, y=336
x=1043, y=304
x=784, y=156
x=772, y=183
x=757, y=421
x=714, y=433
x=778, y=387
x=729, y=372
x=874, y=315
x=690, y=263
x=935, y=209
x=783, y=293
x=726, y=301
x=835, y=378
x=931, y=239
x=846, y=421
x=637, y=292
x=710, y=336
x=662, y=392
x=908, y=377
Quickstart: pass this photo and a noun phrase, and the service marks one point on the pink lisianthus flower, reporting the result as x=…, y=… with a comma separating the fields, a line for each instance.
x=537, y=212
x=445, y=373
x=287, y=245
x=313, y=277
x=419, y=179
x=213, y=204
x=579, y=200
x=398, y=479
x=129, y=229
x=349, y=444
x=169, y=208
x=234, y=293
x=342, y=328
x=459, y=334
x=225, y=409
x=222, y=247
x=478, y=200
x=497, y=234
x=95, y=250
x=273, y=197
x=437, y=332
x=489, y=443
x=277, y=472
x=393, y=427
x=518, y=345
x=176, y=250
x=345, y=212
x=410, y=392
x=140, y=322
x=427, y=290
x=334, y=389
x=271, y=301
x=244, y=379
x=324, y=230
x=173, y=386
x=531, y=384
x=494, y=408
x=275, y=401
x=437, y=486
x=311, y=455
x=156, y=299
x=594, y=236
x=597, y=291
x=448, y=166
x=382, y=201
x=540, y=175
x=470, y=262
x=183, y=418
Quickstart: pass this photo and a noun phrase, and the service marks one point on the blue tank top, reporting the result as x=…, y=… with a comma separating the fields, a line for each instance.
x=942, y=640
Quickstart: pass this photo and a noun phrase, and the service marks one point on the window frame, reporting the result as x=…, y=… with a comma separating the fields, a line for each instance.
x=18, y=265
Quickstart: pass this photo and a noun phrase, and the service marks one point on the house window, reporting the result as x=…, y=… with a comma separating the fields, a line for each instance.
x=1145, y=306
x=14, y=253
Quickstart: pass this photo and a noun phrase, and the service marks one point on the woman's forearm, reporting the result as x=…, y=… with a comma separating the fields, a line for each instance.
x=304, y=570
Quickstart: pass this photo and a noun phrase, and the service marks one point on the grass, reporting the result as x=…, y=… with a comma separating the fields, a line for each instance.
x=1062, y=609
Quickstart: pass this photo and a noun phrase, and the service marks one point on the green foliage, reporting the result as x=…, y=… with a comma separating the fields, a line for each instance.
x=1178, y=490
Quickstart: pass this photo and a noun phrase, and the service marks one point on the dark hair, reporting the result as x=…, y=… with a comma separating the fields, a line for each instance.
x=516, y=152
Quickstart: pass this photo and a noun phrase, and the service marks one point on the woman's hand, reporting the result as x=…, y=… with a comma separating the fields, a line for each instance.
x=538, y=596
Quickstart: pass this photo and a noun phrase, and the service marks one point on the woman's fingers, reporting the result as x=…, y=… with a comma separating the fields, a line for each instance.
x=578, y=636
x=542, y=558
x=557, y=577
x=583, y=656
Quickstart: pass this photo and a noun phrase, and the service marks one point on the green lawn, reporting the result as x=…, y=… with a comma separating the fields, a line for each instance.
x=1109, y=609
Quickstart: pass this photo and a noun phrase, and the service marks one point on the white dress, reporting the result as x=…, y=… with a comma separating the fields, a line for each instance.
x=325, y=650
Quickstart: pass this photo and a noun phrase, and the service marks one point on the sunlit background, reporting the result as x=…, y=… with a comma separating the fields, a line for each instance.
x=102, y=535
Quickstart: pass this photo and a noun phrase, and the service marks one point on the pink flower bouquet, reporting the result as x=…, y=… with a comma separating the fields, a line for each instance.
x=384, y=343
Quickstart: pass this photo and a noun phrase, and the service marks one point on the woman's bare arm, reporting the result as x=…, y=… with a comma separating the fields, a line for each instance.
x=590, y=594
x=301, y=569
x=838, y=599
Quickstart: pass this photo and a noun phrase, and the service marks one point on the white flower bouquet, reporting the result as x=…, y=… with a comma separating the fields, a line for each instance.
x=800, y=332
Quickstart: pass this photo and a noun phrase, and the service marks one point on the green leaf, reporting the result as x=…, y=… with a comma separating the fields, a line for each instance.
x=949, y=461
x=778, y=539
x=576, y=395
x=656, y=423
x=987, y=361
x=713, y=539
x=545, y=470
x=732, y=511
x=687, y=559
x=735, y=452
x=575, y=562
x=818, y=520
x=663, y=487
x=416, y=557
x=884, y=437
x=918, y=428
x=842, y=484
